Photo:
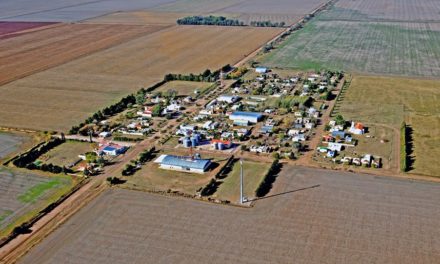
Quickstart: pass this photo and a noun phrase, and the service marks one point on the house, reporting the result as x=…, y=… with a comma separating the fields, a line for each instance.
x=105, y=134
x=335, y=146
x=299, y=138
x=293, y=132
x=338, y=134
x=148, y=112
x=357, y=161
x=221, y=144
x=328, y=138
x=260, y=149
x=230, y=99
x=174, y=106
x=357, y=128
x=322, y=149
x=251, y=117
x=182, y=163
x=111, y=150
x=210, y=125
x=366, y=160
x=310, y=125
x=346, y=160
x=376, y=163
x=266, y=129
x=261, y=70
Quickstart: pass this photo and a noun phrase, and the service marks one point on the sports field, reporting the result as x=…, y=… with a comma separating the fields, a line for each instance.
x=388, y=101
x=366, y=218
x=391, y=47
x=23, y=194
x=63, y=96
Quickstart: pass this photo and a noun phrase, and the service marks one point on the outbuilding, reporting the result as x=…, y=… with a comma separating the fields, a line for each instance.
x=251, y=117
x=183, y=163
x=261, y=70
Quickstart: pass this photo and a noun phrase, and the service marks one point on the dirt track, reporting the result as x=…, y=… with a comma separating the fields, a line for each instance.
x=309, y=216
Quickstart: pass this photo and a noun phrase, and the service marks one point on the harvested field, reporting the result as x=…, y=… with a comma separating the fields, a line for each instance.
x=11, y=29
x=394, y=10
x=411, y=49
x=311, y=216
x=34, y=52
x=184, y=87
x=139, y=18
x=9, y=143
x=24, y=194
x=389, y=101
x=77, y=89
x=68, y=10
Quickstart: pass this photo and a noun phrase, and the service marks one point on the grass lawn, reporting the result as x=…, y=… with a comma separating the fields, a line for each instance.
x=151, y=177
x=385, y=101
x=184, y=87
x=253, y=174
x=66, y=153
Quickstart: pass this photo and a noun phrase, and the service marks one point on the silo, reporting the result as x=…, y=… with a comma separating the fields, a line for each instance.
x=187, y=142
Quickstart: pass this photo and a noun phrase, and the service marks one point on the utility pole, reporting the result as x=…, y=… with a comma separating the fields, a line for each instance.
x=241, y=182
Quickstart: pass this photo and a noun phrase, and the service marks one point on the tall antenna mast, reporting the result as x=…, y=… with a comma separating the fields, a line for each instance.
x=241, y=182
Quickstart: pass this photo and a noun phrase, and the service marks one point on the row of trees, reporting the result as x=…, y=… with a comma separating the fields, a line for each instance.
x=267, y=23
x=209, y=20
x=288, y=102
x=144, y=156
x=32, y=155
x=206, y=76
x=269, y=179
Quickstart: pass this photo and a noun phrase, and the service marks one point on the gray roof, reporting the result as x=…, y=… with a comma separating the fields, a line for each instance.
x=186, y=162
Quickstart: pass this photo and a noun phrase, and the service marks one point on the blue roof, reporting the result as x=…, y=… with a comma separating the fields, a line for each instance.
x=247, y=114
x=338, y=134
x=186, y=162
x=109, y=148
x=266, y=129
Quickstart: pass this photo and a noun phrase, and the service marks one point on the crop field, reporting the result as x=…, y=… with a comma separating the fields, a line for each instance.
x=253, y=175
x=306, y=209
x=10, y=143
x=394, y=10
x=23, y=194
x=389, y=101
x=63, y=96
x=34, y=52
x=370, y=47
x=143, y=17
x=11, y=29
x=184, y=87
x=66, y=153
x=68, y=10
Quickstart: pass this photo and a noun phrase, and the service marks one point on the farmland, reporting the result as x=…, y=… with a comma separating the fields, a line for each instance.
x=389, y=101
x=391, y=47
x=97, y=80
x=34, y=52
x=9, y=143
x=11, y=29
x=23, y=194
x=307, y=209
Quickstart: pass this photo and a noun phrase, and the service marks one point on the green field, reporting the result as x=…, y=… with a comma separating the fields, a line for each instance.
x=384, y=101
x=253, y=174
x=391, y=48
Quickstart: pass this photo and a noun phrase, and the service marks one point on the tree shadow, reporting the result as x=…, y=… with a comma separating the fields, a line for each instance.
x=409, y=147
x=287, y=192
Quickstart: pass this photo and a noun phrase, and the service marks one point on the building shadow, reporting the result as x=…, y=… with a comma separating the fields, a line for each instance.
x=287, y=192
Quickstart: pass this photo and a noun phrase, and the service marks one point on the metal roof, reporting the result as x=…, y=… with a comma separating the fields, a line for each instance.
x=247, y=114
x=185, y=162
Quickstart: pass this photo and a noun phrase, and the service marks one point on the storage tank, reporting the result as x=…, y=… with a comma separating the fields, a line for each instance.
x=194, y=141
x=221, y=146
x=215, y=145
x=187, y=142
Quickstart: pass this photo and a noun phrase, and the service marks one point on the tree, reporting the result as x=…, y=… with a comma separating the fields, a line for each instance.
x=157, y=110
x=140, y=98
x=339, y=120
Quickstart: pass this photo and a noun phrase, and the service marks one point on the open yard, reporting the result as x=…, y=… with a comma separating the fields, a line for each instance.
x=387, y=101
x=310, y=216
x=392, y=47
x=66, y=153
x=253, y=175
x=184, y=87
x=63, y=96
x=23, y=194
x=151, y=177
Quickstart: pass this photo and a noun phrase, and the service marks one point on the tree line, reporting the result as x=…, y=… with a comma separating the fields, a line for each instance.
x=267, y=23
x=209, y=20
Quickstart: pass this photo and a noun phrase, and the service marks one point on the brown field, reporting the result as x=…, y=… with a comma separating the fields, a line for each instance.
x=65, y=95
x=386, y=101
x=67, y=153
x=184, y=87
x=139, y=18
x=34, y=52
x=310, y=216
